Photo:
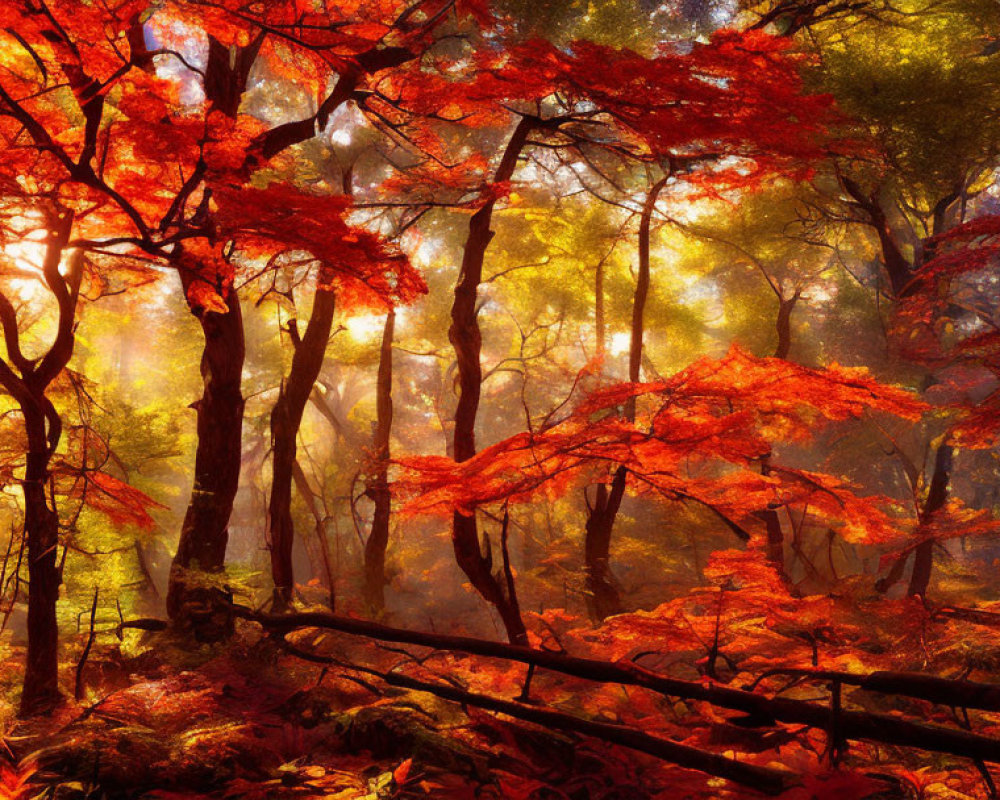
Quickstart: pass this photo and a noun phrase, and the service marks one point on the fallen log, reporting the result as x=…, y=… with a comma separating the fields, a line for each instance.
x=974, y=615
x=853, y=725
x=949, y=692
x=762, y=779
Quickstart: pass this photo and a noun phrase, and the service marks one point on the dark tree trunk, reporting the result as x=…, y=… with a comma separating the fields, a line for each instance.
x=944, y=213
x=319, y=518
x=901, y=273
x=41, y=527
x=467, y=340
x=603, y=597
x=923, y=561
x=226, y=73
x=775, y=550
x=937, y=493
x=378, y=538
x=27, y=380
x=775, y=541
x=600, y=326
x=783, y=324
x=205, y=532
x=641, y=292
x=937, y=496
x=897, y=267
x=286, y=418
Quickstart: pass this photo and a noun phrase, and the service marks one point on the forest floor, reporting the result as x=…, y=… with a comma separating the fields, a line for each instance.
x=247, y=720
x=310, y=711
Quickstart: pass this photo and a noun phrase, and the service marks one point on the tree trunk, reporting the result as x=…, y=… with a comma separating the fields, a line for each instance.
x=600, y=326
x=286, y=418
x=898, y=269
x=937, y=495
x=783, y=324
x=775, y=543
x=43, y=429
x=320, y=519
x=466, y=338
x=378, y=538
x=604, y=599
x=41, y=527
x=205, y=532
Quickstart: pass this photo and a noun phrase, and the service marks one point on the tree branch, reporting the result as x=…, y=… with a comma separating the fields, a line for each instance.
x=856, y=725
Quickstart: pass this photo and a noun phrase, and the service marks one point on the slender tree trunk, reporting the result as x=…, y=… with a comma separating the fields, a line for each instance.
x=602, y=595
x=604, y=598
x=783, y=324
x=204, y=534
x=775, y=543
x=937, y=496
x=897, y=267
x=205, y=531
x=43, y=429
x=286, y=418
x=319, y=518
x=937, y=493
x=600, y=326
x=378, y=538
x=641, y=295
x=466, y=338
x=923, y=554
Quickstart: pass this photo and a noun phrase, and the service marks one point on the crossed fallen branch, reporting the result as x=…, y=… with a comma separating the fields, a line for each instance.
x=841, y=725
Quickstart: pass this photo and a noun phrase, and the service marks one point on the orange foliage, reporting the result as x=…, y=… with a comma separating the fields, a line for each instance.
x=365, y=269
x=738, y=96
x=703, y=430
x=120, y=503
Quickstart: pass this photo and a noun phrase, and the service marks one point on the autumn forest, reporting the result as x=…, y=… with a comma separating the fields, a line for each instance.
x=503, y=399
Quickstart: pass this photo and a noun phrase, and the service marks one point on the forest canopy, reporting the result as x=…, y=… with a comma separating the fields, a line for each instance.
x=468, y=399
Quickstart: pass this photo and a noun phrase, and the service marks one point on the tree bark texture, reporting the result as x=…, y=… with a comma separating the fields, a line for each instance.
x=937, y=496
x=27, y=381
x=205, y=530
x=378, y=537
x=286, y=418
x=466, y=338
